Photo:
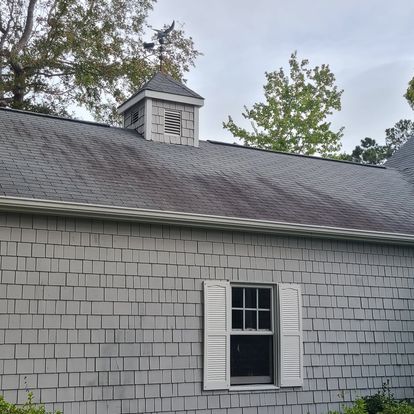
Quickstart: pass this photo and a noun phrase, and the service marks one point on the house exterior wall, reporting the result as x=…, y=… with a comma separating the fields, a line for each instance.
x=106, y=317
x=188, y=135
x=189, y=122
x=138, y=125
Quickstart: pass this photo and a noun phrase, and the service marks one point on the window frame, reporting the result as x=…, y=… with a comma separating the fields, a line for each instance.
x=274, y=332
x=288, y=346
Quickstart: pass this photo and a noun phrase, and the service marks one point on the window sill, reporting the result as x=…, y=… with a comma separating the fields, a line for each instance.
x=264, y=387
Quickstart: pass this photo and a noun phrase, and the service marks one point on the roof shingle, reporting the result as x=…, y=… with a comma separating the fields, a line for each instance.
x=56, y=159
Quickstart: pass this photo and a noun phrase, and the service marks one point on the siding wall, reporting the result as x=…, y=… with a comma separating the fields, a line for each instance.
x=138, y=125
x=100, y=317
x=188, y=137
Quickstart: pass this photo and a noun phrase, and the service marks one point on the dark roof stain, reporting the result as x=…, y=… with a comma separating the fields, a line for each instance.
x=57, y=159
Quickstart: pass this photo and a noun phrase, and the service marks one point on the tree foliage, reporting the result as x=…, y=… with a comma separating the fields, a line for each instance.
x=29, y=407
x=370, y=152
x=54, y=53
x=409, y=95
x=293, y=117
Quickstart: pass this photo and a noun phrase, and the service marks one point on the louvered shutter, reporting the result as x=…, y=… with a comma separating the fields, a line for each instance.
x=291, y=348
x=216, y=335
x=172, y=122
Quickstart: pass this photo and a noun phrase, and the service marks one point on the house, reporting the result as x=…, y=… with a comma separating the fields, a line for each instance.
x=146, y=271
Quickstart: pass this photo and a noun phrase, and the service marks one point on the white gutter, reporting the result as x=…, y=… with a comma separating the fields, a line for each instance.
x=96, y=211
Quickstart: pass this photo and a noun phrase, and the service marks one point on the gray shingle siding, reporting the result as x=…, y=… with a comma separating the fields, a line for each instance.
x=106, y=317
x=187, y=136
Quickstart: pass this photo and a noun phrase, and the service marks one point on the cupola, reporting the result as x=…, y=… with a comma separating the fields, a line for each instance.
x=164, y=110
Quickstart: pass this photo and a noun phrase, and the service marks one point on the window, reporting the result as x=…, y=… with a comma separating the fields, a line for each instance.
x=251, y=339
x=252, y=335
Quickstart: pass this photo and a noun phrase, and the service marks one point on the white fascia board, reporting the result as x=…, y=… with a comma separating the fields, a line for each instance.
x=97, y=211
x=187, y=100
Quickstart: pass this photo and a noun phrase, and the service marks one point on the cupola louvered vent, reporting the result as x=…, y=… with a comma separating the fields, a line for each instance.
x=172, y=125
x=135, y=117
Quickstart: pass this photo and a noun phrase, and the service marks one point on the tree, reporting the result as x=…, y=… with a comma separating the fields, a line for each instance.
x=370, y=152
x=409, y=95
x=398, y=135
x=293, y=117
x=56, y=53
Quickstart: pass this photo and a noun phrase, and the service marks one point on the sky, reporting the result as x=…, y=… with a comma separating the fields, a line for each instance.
x=368, y=45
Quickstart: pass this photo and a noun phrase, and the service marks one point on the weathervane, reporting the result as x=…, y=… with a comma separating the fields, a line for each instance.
x=161, y=38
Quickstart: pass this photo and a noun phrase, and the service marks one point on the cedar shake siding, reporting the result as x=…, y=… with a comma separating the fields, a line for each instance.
x=106, y=317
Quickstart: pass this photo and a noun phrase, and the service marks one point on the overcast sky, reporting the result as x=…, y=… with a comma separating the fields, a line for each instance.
x=369, y=45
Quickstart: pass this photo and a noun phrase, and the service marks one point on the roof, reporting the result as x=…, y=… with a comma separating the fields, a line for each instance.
x=51, y=158
x=403, y=160
x=161, y=82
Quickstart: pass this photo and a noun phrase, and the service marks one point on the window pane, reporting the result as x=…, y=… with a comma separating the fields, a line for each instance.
x=250, y=300
x=264, y=320
x=251, y=359
x=250, y=319
x=264, y=298
x=237, y=319
x=237, y=297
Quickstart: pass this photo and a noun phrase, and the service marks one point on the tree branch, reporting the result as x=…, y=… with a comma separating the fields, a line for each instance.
x=5, y=32
x=27, y=28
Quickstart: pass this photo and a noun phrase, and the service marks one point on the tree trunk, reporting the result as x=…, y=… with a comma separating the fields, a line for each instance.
x=19, y=86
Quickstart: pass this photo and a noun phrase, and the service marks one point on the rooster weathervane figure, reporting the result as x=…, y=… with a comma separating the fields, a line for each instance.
x=162, y=40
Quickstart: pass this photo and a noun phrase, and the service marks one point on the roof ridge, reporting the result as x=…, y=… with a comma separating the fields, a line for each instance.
x=179, y=83
x=165, y=76
x=294, y=155
x=60, y=118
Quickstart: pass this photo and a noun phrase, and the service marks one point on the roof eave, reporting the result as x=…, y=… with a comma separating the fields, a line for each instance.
x=163, y=96
x=104, y=212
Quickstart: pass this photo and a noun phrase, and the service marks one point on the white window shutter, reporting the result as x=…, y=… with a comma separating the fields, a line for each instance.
x=216, y=335
x=291, y=347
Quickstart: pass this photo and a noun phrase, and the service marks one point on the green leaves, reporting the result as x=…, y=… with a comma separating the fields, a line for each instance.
x=293, y=116
x=370, y=152
x=29, y=407
x=82, y=52
x=409, y=95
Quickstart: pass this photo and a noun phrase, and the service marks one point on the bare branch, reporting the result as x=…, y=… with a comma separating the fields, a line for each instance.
x=27, y=28
x=51, y=75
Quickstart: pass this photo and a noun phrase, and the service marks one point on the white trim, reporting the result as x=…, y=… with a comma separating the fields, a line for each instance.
x=196, y=126
x=258, y=387
x=215, y=334
x=290, y=335
x=99, y=211
x=148, y=120
x=188, y=100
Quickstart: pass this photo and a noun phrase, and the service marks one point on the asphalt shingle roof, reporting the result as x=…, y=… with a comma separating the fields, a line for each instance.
x=56, y=159
x=403, y=160
x=161, y=82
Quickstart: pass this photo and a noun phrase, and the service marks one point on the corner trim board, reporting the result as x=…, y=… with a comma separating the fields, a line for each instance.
x=148, y=120
x=99, y=211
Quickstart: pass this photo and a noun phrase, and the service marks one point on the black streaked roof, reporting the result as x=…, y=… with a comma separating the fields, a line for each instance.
x=56, y=159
